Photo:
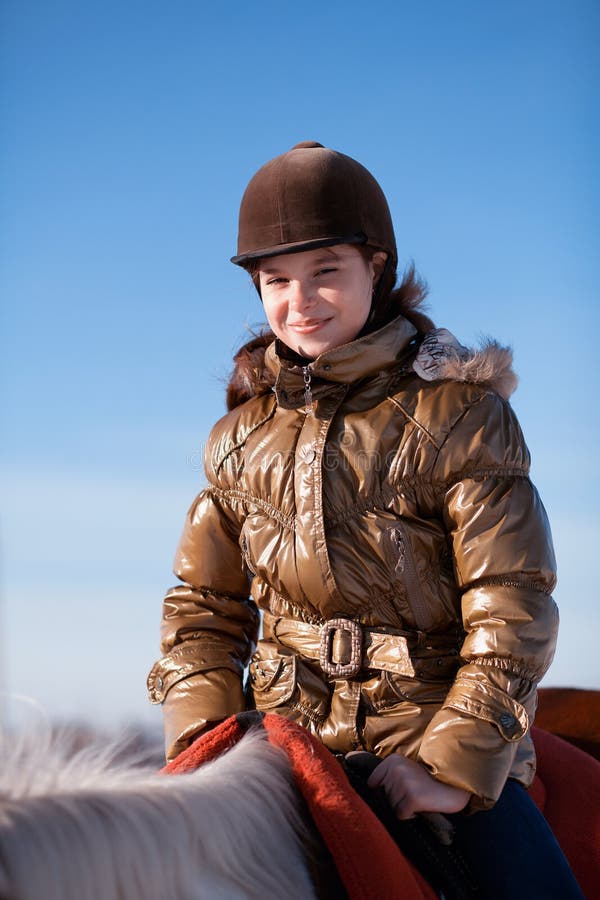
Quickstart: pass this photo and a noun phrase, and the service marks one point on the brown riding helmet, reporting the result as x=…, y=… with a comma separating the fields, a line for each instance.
x=312, y=197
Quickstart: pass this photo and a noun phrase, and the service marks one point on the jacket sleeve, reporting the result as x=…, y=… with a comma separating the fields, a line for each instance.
x=505, y=569
x=209, y=625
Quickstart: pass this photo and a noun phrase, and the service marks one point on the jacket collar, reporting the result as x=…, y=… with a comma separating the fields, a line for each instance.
x=360, y=359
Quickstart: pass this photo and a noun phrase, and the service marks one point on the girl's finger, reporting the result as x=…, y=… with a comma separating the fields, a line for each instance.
x=386, y=777
x=376, y=778
x=403, y=808
x=384, y=771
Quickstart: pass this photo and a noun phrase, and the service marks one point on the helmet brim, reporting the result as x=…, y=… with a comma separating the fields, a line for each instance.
x=298, y=247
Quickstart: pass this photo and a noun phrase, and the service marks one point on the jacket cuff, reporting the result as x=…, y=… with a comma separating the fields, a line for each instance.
x=196, y=704
x=472, y=741
x=186, y=659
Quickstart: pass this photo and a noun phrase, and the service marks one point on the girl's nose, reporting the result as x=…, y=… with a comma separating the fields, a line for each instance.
x=300, y=295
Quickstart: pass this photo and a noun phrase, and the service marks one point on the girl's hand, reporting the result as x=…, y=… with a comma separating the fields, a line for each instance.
x=410, y=788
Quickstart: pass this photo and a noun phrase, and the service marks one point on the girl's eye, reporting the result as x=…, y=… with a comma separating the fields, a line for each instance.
x=326, y=271
x=276, y=280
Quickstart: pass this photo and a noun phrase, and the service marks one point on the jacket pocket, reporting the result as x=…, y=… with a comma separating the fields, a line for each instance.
x=281, y=678
x=273, y=680
x=489, y=703
x=401, y=556
x=413, y=690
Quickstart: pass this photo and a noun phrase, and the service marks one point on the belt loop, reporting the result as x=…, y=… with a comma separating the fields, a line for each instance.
x=422, y=640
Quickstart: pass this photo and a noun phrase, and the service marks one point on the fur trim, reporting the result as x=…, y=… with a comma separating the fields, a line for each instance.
x=490, y=367
x=442, y=358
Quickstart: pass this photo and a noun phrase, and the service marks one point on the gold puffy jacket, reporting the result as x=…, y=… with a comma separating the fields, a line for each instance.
x=394, y=497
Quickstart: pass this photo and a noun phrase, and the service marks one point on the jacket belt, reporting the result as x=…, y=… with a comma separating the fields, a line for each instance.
x=344, y=648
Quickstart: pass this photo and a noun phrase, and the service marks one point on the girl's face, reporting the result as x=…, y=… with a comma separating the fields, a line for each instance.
x=318, y=299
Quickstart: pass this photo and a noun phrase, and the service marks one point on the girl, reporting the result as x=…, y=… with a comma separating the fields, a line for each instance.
x=370, y=483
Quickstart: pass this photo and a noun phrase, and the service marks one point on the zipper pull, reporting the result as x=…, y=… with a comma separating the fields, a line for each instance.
x=308, y=398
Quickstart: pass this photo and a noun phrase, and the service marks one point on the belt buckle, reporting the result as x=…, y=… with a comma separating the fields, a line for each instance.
x=336, y=669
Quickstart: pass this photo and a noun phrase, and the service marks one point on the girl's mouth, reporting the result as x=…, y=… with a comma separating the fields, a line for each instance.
x=307, y=326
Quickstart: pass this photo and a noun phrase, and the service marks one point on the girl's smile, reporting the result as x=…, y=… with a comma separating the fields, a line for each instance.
x=319, y=299
x=308, y=326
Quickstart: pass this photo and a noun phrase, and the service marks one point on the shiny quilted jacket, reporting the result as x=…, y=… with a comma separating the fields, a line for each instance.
x=383, y=487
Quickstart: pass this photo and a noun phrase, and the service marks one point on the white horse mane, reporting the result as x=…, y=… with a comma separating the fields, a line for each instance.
x=84, y=826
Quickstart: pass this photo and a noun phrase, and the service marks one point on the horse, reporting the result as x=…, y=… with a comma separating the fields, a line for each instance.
x=90, y=824
x=86, y=822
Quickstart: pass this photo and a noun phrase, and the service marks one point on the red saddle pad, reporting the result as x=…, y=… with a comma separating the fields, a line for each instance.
x=566, y=790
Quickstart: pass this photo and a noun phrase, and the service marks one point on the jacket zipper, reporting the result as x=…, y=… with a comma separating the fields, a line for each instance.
x=308, y=398
x=406, y=565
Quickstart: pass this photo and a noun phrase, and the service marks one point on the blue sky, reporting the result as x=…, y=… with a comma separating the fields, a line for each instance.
x=129, y=133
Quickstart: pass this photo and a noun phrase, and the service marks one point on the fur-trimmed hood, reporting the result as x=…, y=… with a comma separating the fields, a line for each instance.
x=438, y=355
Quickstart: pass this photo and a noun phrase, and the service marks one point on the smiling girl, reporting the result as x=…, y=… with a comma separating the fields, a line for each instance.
x=320, y=298
x=369, y=493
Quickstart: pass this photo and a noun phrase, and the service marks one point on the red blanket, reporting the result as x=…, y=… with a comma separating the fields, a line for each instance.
x=566, y=789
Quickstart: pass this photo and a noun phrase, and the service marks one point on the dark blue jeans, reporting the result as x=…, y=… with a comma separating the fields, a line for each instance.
x=511, y=851
x=503, y=853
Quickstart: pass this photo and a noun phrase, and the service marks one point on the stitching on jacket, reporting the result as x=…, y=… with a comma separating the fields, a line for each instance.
x=416, y=422
x=510, y=581
x=466, y=473
x=323, y=556
x=205, y=592
x=311, y=715
x=250, y=500
x=300, y=613
x=468, y=407
x=507, y=665
x=337, y=515
x=489, y=472
x=241, y=443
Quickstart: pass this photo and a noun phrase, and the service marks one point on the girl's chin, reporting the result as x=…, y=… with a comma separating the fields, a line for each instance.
x=312, y=346
x=312, y=349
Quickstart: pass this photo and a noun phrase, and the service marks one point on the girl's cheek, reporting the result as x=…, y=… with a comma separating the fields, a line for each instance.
x=279, y=310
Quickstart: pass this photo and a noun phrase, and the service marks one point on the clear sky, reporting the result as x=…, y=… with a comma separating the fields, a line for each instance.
x=129, y=133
